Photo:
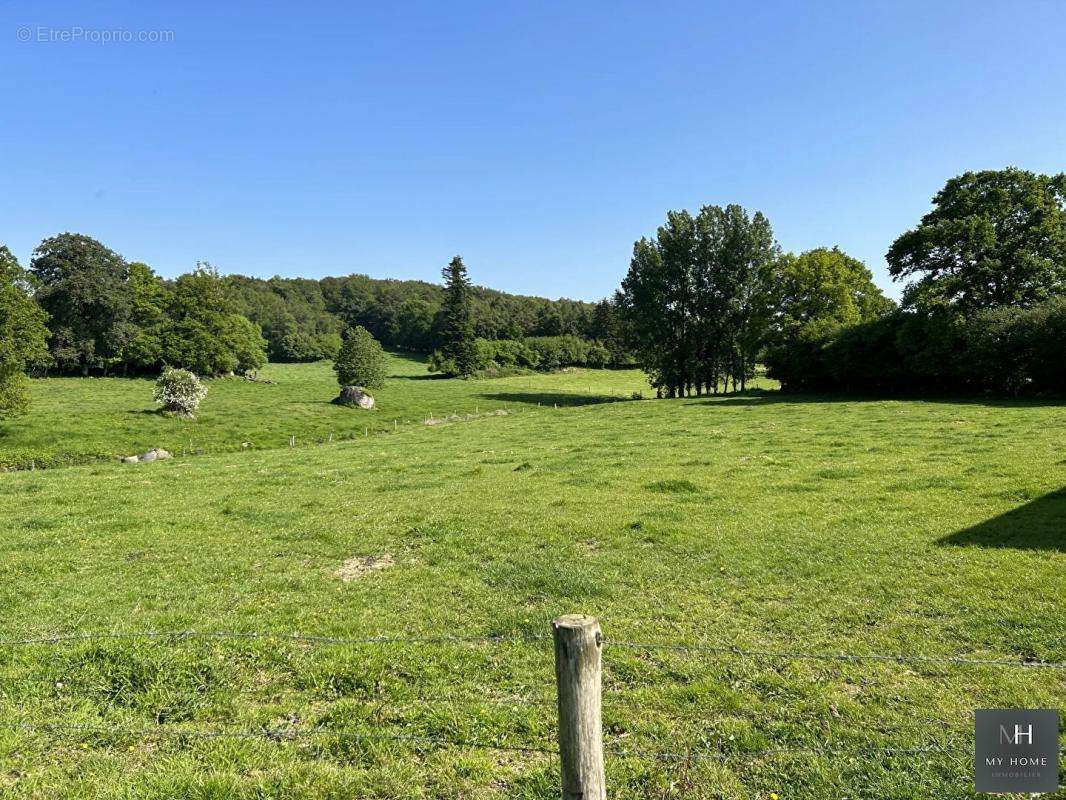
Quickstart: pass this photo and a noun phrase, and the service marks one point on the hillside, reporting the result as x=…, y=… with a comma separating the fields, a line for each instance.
x=77, y=420
x=777, y=526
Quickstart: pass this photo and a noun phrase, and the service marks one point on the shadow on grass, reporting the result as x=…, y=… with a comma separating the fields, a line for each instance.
x=551, y=398
x=1038, y=525
x=428, y=376
x=762, y=397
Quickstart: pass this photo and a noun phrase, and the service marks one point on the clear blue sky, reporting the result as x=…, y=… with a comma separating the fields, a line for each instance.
x=537, y=139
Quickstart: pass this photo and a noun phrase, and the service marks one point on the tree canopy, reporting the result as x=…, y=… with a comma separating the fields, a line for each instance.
x=825, y=285
x=82, y=285
x=23, y=335
x=994, y=238
x=696, y=298
x=361, y=361
x=459, y=351
x=204, y=332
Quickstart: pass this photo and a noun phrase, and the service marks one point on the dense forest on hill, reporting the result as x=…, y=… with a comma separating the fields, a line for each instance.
x=302, y=319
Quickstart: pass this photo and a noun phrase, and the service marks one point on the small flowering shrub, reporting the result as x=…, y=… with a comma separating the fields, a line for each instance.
x=179, y=392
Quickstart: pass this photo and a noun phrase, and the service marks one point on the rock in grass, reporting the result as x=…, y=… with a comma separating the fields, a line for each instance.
x=355, y=396
x=155, y=454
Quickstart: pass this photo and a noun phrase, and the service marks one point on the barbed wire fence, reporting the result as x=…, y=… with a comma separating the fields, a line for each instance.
x=294, y=733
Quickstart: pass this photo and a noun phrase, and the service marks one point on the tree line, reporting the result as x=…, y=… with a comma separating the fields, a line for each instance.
x=80, y=308
x=984, y=309
x=704, y=301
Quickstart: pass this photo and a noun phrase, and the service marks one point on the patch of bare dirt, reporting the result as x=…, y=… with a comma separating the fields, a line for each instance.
x=358, y=566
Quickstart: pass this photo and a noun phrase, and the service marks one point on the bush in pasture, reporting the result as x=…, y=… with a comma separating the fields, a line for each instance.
x=438, y=362
x=179, y=392
x=361, y=361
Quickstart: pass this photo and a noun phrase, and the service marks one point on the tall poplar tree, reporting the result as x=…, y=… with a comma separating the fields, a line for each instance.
x=697, y=299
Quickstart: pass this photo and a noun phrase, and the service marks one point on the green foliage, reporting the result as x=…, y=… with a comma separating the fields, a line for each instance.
x=204, y=332
x=179, y=392
x=83, y=287
x=23, y=335
x=408, y=314
x=696, y=300
x=998, y=350
x=458, y=333
x=994, y=238
x=825, y=285
x=114, y=317
x=143, y=349
x=361, y=361
x=293, y=317
x=545, y=353
x=609, y=329
x=815, y=295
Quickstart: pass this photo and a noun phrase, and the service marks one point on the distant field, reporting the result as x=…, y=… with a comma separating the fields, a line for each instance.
x=80, y=420
x=768, y=523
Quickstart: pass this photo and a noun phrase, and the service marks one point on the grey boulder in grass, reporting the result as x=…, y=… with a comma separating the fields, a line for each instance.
x=355, y=396
x=155, y=454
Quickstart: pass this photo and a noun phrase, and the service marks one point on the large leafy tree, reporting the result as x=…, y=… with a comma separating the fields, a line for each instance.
x=994, y=238
x=816, y=295
x=741, y=252
x=825, y=284
x=82, y=285
x=149, y=297
x=204, y=332
x=458, y=330
x=23, y=335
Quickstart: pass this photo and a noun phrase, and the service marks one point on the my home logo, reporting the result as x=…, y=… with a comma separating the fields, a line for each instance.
x=1020, y=736
x=1016, y=751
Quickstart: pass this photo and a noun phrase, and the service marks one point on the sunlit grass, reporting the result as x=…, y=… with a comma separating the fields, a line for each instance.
x=768, y=523
x=79, y=420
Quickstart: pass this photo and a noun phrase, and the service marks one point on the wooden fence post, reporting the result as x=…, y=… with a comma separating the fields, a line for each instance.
x=578, y=669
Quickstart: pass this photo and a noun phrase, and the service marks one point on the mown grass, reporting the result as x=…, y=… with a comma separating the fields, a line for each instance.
x=80, y=420
x=925, y=528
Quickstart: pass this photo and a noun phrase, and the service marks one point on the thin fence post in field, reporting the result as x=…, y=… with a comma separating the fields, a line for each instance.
x=578, y=678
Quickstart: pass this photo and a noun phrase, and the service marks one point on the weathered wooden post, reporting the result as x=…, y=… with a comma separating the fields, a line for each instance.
x=578, y=669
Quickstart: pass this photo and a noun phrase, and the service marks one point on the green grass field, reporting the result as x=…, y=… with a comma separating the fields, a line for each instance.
x=82, y=420
x=764, y=522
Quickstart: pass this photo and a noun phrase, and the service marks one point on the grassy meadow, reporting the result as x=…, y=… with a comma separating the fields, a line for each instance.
x=82, y=420
x=764, y=522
